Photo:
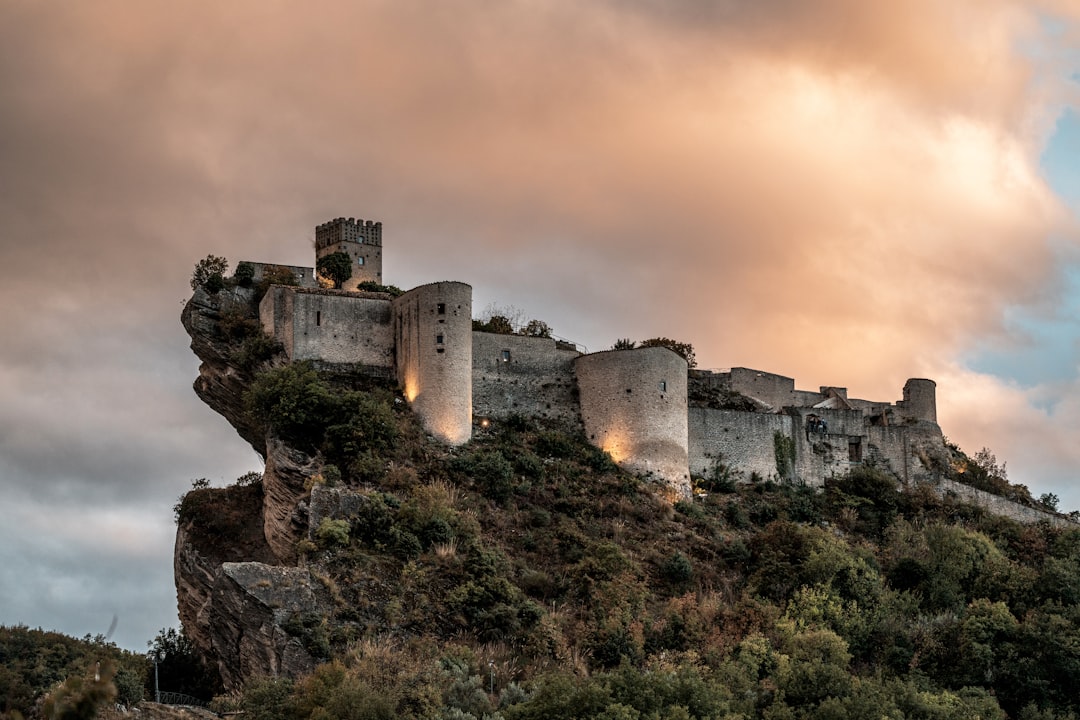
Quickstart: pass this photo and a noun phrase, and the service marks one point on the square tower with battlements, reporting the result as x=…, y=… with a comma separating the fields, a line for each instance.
x=361, y=240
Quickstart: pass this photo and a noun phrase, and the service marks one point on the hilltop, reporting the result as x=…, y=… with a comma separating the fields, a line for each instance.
x=524, y=572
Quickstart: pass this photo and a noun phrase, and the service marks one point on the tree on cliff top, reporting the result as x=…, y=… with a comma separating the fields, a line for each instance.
x=336, y=267
x=684, y=349
x=209, y=273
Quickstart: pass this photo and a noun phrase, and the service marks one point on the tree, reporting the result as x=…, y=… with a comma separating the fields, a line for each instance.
x=684, y=349
x=244, y=274
x=624, y=344
x=1049, y=500
x=180, y=667
x=209, y=273
x=537, y=328
x=336, y=267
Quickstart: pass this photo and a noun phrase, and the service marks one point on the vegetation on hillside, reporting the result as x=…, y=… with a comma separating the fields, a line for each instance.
x=57, y=672
x=525, y=576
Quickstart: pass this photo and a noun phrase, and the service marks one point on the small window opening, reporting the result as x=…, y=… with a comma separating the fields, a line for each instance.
x=438, y=339
x=854, y=451
x=318, y=318
x=359, y=261
x=506, y=356
x=663, y=386
x=441, y=308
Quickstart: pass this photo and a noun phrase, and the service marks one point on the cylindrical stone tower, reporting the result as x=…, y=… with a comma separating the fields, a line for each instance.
x=920, y=399
x=433, y=357
x=633, y=405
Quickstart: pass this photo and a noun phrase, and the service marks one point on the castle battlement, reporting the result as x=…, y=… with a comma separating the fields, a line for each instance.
x=348, y=230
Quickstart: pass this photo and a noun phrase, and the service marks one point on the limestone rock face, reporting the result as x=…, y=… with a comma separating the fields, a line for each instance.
x=220, y=384
x=239, y=600
x=284, y=510
x=236, y=614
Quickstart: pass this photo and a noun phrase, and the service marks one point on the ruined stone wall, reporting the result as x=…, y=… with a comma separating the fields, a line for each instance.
x=775, y=391
x=513, y=374
x=906, y=449
x=920, y=400
x=741, y=440
x=433, y=337
x=305, y=276
x=998, y=505
x=633, y=405
x=821, y=454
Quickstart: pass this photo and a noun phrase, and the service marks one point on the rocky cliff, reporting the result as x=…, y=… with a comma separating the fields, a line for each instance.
x=236, y=581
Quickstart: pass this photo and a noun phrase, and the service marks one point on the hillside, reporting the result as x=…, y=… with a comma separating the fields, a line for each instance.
x=377, y=573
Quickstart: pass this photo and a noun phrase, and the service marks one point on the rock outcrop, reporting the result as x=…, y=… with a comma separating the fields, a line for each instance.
x=242, y=601
x=221, y=384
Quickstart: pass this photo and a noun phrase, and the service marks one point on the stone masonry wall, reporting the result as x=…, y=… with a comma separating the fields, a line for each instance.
x=276, y=316
x=998, y=505
x=633, y=405
x=741, y=440
x=336, y=327
x=776, y=391
x=513, y=374
x=433, y=337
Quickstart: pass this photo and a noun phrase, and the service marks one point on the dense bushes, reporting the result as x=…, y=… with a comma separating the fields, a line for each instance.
x=351, y=428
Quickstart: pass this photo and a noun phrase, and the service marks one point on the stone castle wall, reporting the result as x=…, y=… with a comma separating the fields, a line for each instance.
x=433, y=340
x=514, y=374
x=330, y=325
x=742, y=441
x=633, y=405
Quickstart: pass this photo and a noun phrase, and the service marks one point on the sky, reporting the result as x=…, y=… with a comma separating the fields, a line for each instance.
x=846, y=193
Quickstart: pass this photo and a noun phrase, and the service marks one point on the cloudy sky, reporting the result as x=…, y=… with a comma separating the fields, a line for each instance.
x=844, y=192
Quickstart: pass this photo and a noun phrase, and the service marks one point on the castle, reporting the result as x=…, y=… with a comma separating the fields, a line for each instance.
x=644, y=406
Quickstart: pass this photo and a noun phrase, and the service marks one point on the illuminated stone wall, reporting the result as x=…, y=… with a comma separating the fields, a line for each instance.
x=433, y=338
x=633, y=405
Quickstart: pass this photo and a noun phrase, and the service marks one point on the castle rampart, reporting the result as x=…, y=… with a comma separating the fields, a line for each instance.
x=529, y=376
x=433, y=344
x=633, y=405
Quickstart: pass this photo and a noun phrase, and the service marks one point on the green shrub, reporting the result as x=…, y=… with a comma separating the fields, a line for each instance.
x=332, y=533
x=244, y=274
x=678, y=569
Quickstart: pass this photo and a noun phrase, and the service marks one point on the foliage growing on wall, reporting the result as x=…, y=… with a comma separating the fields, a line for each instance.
x=372, y=286
x=686, y=350
x=784, y=450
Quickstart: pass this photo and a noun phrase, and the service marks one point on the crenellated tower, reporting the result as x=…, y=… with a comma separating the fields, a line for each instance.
x=361, y=240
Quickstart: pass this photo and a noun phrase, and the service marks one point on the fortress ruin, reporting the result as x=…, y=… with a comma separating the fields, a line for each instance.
x=644, y=406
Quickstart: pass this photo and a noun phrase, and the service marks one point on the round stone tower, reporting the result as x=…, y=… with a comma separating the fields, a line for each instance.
x=433, y=356
x=920, y=399
x=633, y=405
